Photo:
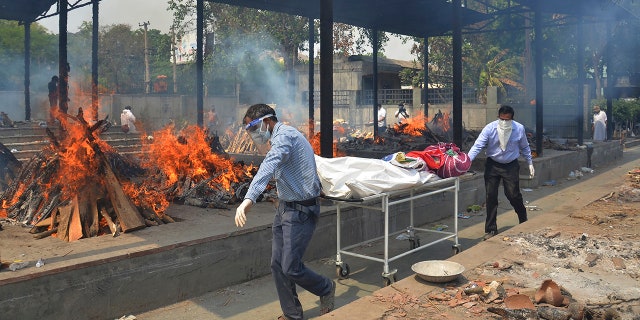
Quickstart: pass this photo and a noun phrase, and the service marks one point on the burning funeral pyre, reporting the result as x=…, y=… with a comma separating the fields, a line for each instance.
x=79, y=186
x=414, y=133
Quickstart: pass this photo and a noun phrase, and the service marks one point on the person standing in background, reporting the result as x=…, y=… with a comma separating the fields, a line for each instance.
x=382, y=118
x=127, y=120
x=599, y=126
x=53, y=97
x=212, y=121
x=504, y=140
x=401, y=114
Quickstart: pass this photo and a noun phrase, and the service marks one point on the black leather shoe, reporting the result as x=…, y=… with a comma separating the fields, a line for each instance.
x=489, y=235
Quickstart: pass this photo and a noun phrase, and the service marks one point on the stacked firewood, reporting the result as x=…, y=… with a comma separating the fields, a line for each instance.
x=79, y=186
x=241, y=143
x=52, y=196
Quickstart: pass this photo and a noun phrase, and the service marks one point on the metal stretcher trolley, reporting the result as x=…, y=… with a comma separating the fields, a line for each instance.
x=382, y=202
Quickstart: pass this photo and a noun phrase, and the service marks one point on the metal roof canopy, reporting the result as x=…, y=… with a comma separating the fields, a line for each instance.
x=419, y=18
x=586, y=8
x=26, y=10
x=34, y=10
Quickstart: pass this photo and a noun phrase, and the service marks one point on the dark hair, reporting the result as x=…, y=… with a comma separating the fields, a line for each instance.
x=54, y=78
x=128, y=107
x=506, y=110
x=260, y=110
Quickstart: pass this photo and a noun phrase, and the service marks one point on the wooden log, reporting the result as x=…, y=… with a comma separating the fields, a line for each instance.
x=45, y=234
x=49, y=209
x=110, y=224
x=150, y=215
x=167, y=219
x=75, y=224
x=64, y=213
x=128, y=215
x=89, y=210
x=187, y=193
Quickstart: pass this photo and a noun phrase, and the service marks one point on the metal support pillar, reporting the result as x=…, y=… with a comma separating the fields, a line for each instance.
x=457, y=74
x=94, y=58
x=200, y=62
x=63, y=64
x=425, y=81
x=326, y=78
x=27, y=71
x=312, y=40
x=610, y=81
x=538, y=62
x=580, y=81
x=376, y=48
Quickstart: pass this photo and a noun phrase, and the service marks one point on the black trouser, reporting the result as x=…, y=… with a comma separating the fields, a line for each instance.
x=510, y=175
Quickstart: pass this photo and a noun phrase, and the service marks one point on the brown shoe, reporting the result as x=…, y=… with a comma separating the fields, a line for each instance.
x=327, y=301
x=282, y=317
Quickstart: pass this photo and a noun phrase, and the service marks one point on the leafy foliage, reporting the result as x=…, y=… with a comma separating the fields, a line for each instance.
x=44, y=55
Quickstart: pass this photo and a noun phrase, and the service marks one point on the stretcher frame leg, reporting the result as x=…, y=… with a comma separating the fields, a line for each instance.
x=389, y=276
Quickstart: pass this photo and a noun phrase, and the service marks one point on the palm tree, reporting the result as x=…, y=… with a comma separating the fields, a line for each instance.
x=499, y=71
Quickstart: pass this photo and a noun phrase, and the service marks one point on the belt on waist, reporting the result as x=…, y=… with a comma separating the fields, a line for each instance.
x=512, y=161
x=305, y=203
x=302, y=206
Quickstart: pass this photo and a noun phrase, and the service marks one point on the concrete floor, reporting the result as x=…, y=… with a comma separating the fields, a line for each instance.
x=256, y=299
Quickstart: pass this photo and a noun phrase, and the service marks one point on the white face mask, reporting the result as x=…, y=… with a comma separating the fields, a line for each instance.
x=259, y=136
x=504, y=133
x=504, y=124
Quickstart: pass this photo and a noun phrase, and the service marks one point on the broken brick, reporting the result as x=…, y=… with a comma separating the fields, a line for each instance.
x=618, y=263
x=591, y=259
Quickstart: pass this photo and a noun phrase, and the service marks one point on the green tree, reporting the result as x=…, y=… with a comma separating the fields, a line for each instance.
x=44, y=56
x=239, y=30
x=121, y=62
x=500, y=71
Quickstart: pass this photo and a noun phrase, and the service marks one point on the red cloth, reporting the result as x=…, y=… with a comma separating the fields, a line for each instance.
x=445, y=159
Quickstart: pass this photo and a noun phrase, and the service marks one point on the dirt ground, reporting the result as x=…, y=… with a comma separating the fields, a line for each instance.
x=593, y=256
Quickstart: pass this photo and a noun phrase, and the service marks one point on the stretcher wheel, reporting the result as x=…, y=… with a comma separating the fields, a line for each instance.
x=389, y=280
x=456, y=249
x=342, y=271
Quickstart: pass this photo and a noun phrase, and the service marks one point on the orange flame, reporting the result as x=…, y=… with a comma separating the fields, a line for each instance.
x=185, y=156
x=315, y=144
x=444, y=122
x=414, y=126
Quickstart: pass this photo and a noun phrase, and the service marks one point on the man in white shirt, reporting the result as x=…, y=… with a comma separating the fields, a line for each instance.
x=127, y=120
x=401, y=114
x=599, y=126
x=382, y=118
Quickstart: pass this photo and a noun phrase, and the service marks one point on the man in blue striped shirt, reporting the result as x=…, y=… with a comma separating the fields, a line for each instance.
x=504, y=140
x=291, y=162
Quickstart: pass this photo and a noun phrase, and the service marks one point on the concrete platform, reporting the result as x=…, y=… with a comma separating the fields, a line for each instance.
x=106, y=277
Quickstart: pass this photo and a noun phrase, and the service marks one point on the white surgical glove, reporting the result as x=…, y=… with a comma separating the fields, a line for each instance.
x=532, y=171
x=241, y=217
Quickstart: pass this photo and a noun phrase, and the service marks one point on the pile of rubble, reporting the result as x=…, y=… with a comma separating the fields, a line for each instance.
x=588, y=268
